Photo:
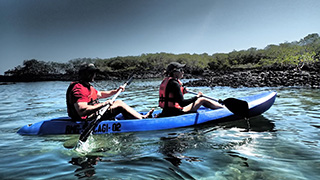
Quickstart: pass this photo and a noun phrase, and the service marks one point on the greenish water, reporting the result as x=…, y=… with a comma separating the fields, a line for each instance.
x=283, y=143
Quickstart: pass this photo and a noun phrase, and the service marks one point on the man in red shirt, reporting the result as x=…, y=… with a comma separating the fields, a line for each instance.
x=83, y=99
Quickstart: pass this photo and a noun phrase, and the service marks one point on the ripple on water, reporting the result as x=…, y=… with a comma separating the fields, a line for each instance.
x=281, y=144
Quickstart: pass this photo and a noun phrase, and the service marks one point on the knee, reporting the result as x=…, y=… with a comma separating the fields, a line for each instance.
x=201, y=100
x=118, y=103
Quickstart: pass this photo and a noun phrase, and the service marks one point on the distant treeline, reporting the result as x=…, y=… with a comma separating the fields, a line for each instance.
x=303, y=54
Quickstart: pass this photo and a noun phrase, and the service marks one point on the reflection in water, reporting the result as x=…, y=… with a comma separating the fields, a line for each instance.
x=288, y=151
x=177, y=148
x=243, y=160
x=256, y=124
x=116, y=146
x=86, y=165
x=174, y=145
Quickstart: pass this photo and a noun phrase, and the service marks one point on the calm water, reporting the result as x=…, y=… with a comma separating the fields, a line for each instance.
x=283, y=143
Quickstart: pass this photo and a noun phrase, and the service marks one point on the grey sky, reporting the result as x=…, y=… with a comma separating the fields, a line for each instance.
x=61, y=30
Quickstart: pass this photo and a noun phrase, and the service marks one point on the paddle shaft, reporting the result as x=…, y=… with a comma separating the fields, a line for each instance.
x=86, y=133
x=202, y=95
x=105, y=108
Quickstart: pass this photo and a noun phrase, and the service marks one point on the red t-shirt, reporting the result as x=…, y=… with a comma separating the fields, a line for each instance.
x=81, y=93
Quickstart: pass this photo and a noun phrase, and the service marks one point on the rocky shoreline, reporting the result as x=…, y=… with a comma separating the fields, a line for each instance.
x=259, y=78
x=234, y=78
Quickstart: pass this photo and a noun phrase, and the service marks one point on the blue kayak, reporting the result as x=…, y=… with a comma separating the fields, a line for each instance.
x=258, y=104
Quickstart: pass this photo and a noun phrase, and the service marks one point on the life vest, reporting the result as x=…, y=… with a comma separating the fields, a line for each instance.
x=93, y=97
x=167, y=99
x=72, y=112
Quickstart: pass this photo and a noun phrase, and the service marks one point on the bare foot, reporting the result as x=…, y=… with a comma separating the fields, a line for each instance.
x=149, y=114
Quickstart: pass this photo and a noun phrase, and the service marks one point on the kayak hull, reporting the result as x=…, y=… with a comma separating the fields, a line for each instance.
x=258, y=104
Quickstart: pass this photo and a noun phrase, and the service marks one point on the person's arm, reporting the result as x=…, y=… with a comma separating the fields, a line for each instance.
x=175, y=87
x=80, y=100
x=106, y=94
x=84, y=109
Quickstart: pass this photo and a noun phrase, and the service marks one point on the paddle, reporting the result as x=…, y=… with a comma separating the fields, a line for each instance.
x=86, y=133
x=236, y=106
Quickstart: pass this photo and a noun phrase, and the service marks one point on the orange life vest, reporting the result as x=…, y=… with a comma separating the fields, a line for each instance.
x=165, y=101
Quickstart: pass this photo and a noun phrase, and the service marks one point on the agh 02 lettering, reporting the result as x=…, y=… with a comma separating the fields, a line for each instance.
x=102, y=128
x=116, y=127
x=105, y=128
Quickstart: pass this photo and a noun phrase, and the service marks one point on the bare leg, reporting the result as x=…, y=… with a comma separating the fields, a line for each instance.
x=130, y=110
x=202, y=101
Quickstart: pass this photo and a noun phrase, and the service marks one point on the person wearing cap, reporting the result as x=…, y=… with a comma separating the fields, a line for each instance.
x=171, y=94
x=83, y=99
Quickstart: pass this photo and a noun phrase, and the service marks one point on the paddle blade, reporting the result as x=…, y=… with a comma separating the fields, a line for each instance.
x=237, y=106
x=87, y=132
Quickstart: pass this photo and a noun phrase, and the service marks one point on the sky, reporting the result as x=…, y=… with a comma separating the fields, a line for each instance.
x=62, y=30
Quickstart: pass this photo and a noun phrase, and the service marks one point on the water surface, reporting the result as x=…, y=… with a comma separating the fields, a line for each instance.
x=283, y=143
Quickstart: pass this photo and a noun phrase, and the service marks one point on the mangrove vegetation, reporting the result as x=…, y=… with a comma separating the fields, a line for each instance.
x=298, y=55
